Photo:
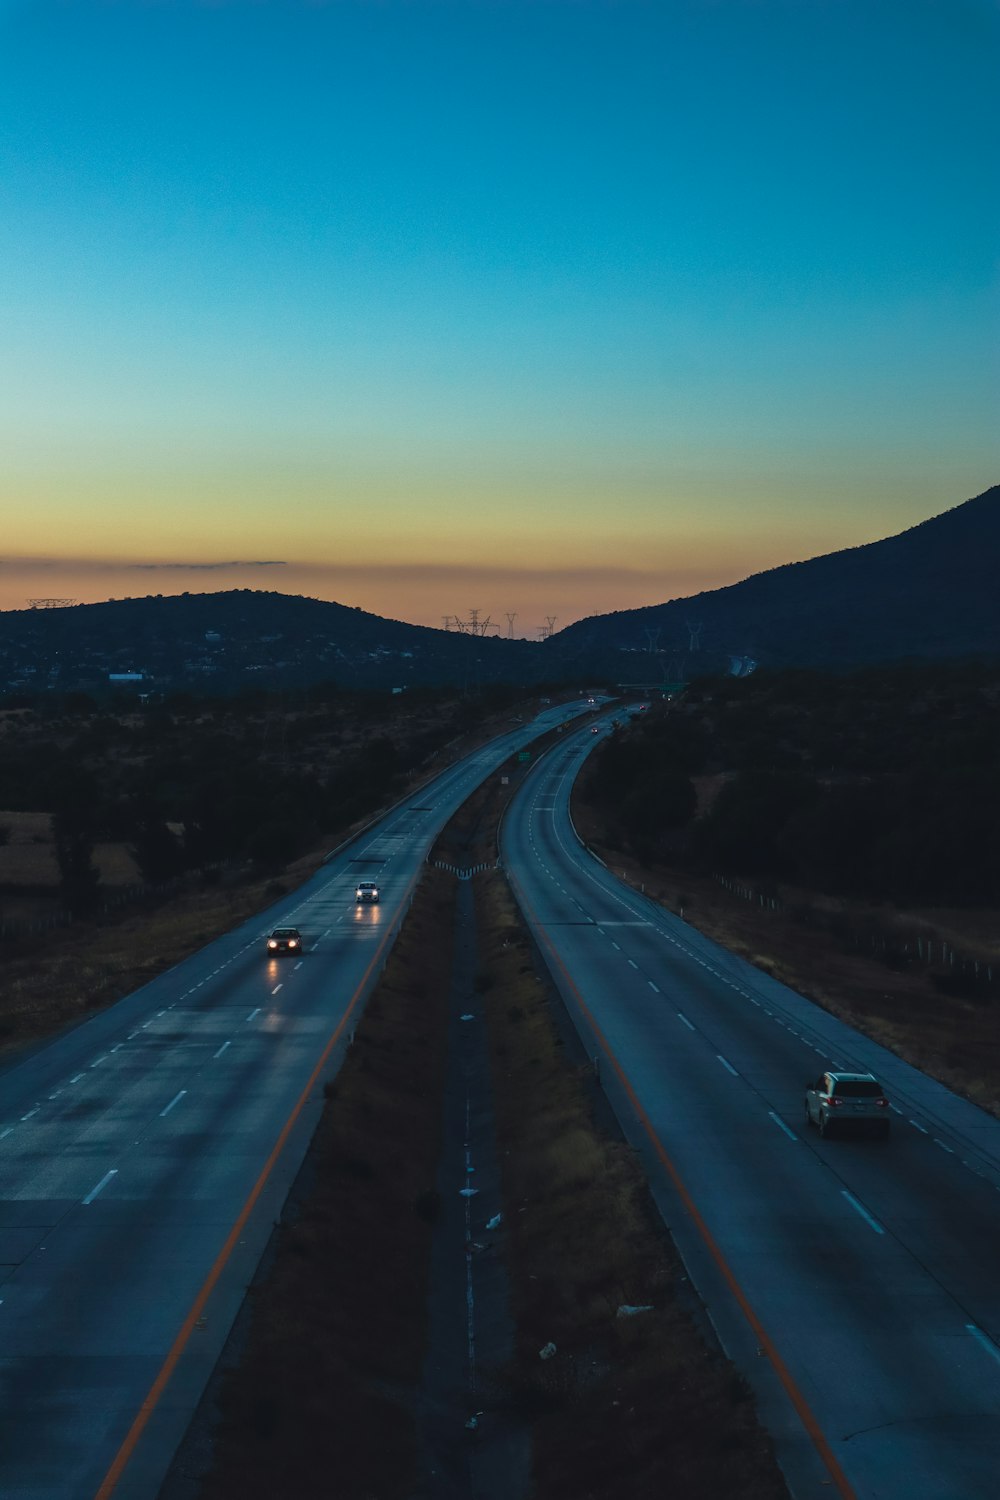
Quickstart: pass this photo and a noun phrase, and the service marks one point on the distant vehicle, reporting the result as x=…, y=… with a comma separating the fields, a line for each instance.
x=854, y=1100
x=595, y=729
x=367, y=890
x=284, y=940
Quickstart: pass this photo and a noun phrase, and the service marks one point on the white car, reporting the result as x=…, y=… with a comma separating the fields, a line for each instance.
x=367, y=891
x=855, y=1101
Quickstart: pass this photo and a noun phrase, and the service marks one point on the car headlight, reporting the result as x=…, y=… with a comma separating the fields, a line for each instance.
x=271, y=943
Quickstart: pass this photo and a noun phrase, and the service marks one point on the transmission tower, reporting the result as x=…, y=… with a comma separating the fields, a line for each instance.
x=652, y=636
x=510, y=625
x=694, y=631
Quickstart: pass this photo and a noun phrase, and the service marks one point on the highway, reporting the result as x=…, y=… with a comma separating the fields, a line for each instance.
x=853, y=1281
x=145, y=1155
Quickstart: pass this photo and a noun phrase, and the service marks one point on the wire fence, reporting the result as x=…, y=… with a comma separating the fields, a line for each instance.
x=894, y=946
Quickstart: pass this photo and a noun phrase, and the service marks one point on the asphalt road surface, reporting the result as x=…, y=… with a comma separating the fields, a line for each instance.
x=854, y=1282
x=145, y=1155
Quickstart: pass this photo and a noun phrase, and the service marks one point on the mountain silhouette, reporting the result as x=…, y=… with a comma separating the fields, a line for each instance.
x=932, y=591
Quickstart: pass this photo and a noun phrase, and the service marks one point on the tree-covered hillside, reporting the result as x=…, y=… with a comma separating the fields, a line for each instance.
x=880, y=784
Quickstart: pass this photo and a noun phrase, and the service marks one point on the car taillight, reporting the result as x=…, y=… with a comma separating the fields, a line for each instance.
x=832, y=1099
x=882, y=1103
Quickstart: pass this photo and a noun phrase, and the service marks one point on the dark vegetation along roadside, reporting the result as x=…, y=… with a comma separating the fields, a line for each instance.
x=841, y=832
x=131, y=836
x=324, y=1388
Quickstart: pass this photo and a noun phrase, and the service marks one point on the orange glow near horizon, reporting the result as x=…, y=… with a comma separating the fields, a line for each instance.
x=421, y=594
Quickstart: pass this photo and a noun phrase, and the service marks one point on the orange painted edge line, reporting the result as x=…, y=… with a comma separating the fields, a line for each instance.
x=802, y=1408
x=129, y=1443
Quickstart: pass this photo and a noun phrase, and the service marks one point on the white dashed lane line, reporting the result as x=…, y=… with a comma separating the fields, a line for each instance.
x=682, y=1017
x=859, y=1208
x=221, y=1049
x=727, y=1065
x=782, y=1126
x=253, y=1013
x=277, y=987
x=175, y=1100
x=102, y=1184
x=653, y=986
x=984, y=1342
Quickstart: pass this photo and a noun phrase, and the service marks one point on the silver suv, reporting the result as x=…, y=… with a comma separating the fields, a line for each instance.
x=855, y=1100
x=367, y=890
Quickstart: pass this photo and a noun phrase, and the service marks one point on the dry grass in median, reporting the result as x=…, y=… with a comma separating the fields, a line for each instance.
x=637, y=1407
x=321, y=1401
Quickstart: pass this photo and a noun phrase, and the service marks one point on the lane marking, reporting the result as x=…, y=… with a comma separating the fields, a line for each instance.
x=102, y=1184
x=6, y=1132
x=982, y=1339
x=31, y=1112
x=633, y=964
x=921, y=1128
x=764, y=1340
x=221, y=1050
x=131, y=1439
x=653, y=986
x=175, y=1100
x=942, y=1145
x=99, y=1060
x=277, y=987
x=253, y=1013
x=727, y=1065
x=782, y=1126
x=682, y=1017
x=860, y=1208
x=76, y=1078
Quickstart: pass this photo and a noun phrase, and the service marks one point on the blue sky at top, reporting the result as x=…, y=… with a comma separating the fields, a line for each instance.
x=624, y=299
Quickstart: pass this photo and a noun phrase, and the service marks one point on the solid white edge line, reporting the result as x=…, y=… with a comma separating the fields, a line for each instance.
x=102, y=1184
x=859, y=1208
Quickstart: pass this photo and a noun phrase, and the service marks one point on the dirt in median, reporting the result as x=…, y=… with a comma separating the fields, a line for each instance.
x=323, y=1392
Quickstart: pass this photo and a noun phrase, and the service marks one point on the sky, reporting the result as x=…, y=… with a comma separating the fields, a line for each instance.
x=542, y=308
